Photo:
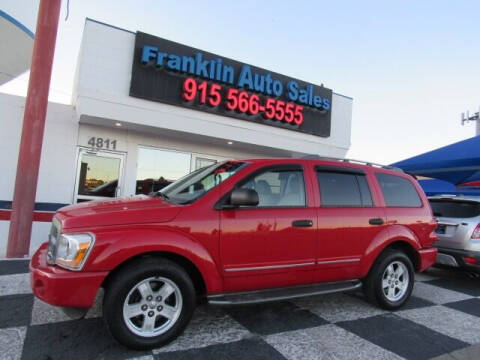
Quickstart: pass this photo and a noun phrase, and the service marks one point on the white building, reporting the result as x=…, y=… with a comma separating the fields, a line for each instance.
x=108, y=143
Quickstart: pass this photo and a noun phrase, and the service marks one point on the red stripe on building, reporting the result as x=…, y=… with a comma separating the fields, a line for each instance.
x=41, y=216
x=5, y=214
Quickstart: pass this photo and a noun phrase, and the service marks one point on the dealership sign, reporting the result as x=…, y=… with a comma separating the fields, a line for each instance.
x=176, y=74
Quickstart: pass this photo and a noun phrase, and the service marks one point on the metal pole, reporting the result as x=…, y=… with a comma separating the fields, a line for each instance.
x=477, y=127
x=33, y=128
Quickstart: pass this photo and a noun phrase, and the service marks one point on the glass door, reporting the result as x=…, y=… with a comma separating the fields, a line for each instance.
x=99, y=175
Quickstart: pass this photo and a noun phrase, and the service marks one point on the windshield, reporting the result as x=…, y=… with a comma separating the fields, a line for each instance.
x=194, y=185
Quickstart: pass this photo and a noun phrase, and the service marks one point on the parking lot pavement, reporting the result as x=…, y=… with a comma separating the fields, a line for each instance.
x=442, y=319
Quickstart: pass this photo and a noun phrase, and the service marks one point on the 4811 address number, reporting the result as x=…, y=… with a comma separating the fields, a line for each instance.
x=241, y=101
x=102, y=143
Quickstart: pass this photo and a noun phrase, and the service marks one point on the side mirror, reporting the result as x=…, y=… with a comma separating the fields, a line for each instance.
x=244, y=197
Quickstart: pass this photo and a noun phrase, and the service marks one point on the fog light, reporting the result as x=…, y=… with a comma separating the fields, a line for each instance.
x=470, y=260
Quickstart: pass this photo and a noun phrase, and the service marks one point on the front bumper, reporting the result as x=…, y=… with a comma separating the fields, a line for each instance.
x=60, y=287
x=458, y=256
x=427, y=258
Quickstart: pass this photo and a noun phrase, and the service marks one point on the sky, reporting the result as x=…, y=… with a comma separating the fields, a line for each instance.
x=411, y=67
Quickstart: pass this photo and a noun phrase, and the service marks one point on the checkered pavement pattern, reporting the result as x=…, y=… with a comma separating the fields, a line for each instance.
x=442, y=316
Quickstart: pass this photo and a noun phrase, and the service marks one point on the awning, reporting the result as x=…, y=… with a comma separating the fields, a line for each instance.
x=17, y=45
x=457, y=163
x=437, y=187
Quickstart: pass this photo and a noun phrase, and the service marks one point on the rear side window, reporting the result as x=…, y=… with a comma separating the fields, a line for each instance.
x=343, y=189
x=398, y=191
x=455, y=208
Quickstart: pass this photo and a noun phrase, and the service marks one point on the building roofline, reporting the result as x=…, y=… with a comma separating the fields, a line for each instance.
x=112, y=26
x=133, y=32
x=345, y=96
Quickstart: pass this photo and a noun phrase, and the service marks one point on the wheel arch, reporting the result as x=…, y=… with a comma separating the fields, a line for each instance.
x=192, y=270
x=399, y=238
x=118, y=248
x=408, y=249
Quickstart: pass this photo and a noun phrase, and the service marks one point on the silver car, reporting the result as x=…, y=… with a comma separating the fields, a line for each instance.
x=458, y=230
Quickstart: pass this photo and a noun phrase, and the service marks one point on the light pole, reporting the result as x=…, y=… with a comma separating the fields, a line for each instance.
x=33, y=128
x=475, y=117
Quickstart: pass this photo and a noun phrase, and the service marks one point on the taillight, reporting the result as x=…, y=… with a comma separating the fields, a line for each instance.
x=476, y=232
x=470, y=260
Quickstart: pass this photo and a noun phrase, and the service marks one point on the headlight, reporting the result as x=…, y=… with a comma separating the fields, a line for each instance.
x=73, y=250
x=55, y=231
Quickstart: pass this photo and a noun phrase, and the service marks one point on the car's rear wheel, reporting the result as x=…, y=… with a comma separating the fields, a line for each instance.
x=149, y=303
x=390, y=281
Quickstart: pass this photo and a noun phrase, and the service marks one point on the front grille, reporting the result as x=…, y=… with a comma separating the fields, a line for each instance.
x=52, y=241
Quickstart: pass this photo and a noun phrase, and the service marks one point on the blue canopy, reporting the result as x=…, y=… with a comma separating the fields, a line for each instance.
x=440, y=187
x=456, y=163
x=437, y=187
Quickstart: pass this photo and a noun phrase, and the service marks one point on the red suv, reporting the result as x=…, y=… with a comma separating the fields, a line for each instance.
x=238, y=232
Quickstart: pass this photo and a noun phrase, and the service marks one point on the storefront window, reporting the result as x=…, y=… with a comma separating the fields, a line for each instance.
x=158, y=168
x=202, y=162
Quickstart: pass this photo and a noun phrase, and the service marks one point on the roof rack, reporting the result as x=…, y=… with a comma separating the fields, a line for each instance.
x=353, y=161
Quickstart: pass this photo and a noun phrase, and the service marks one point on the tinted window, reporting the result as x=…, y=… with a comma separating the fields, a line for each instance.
x=278, y=188
x=364, y=191
x=341, y=189
x=455, y=208
x=398, y=191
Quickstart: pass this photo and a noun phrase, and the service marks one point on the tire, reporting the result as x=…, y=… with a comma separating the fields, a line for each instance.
x=388, y=289
x=140, y=322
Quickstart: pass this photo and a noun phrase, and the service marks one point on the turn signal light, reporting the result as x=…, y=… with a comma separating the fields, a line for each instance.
x=470, y=260
x=476, y=232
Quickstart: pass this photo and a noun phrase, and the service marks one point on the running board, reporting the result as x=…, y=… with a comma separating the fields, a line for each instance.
x=261, y=296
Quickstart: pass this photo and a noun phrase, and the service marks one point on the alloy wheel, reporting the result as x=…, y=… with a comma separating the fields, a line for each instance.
x=152, y=306
x=395, y=281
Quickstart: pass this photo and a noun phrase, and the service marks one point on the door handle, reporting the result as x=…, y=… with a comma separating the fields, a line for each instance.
x=302, y=223
x=376, y=221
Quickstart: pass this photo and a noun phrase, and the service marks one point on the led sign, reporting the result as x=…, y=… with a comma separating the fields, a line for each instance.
x=172, y=73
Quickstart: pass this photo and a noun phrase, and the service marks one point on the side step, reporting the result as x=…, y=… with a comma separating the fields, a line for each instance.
x=261, y=296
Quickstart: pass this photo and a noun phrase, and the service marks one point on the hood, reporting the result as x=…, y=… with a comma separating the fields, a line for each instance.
x=139, y=209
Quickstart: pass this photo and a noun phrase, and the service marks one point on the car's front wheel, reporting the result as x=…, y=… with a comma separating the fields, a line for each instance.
x=148, y=303
x=390, y=281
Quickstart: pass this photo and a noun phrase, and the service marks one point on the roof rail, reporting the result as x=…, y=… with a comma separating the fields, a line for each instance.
x=353, y=161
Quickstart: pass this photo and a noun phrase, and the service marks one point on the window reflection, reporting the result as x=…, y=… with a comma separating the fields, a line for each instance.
x=158, y=168
x=98, y=175
x=193, y=186
x=202, y=162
